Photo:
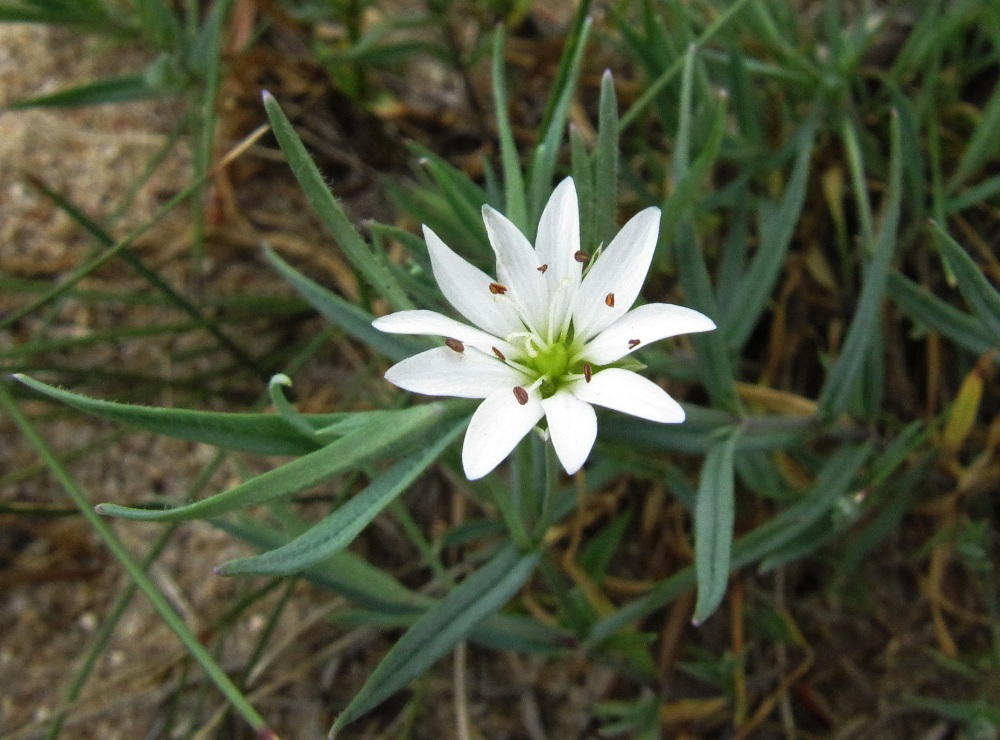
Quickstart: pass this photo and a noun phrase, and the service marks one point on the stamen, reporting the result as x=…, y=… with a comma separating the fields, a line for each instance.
x=499, y=354
x=521, y=395
x=454, y=344
x=542, y=268
x=538, y=382
x=633, y=343
x=581, y=257
x=497, y=289
x=588, y=371
x=609, y=300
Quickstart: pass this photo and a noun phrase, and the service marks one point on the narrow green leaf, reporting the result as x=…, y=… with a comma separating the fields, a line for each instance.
x=688, y=183
x=285, y=410
x=117, y=90
x=137, y=573
x=343, y=454
x=428, y=206
x=842, y=381
x=701, y=428
x=657, y=85
x=93, y=15
x=713, y=355
x=982, y=297
x=832, y=482
x=329, y=210
x=515, y=203
x=261, y=434
x=859, y=183
x=606, y=165
x=899, y=496
x=975, y=195
x=777, y=227
x=926, y=308
x=983, y=143
x=543, y=164
x=464, y=197
x=713, y=527
x=336, y=531
x=499, y=631
x=576, y=36
x=443, y=626
x=596, y=556
x=160, y=25
x=153, y=277
x=343, y=573
x=582, y=169
x=353, y=320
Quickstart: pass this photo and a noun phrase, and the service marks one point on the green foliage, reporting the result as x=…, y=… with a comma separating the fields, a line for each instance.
x=796, y=172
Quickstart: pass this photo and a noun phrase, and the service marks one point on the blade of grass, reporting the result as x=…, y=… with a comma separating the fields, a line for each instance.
x=842, y=380
x=163, y=608
x=982, y=297
x=261, y=434
x=102, y=92
x=136, y=263
x=204, y=57
x=832, y=482
x=353, y=320
x=443, y=626
x=338, y=529
x=329, y=210
x=713, y=527
x=926, y=308
x=543, y=164
x=713, y=356
x=777, y=227
x=606, y=165
x=582, y=170
x=514, y=198
x=364, y=443
x=123, y=244
x=657, y=85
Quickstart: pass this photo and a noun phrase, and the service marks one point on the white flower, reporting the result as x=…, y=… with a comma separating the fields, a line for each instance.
x=549, y=335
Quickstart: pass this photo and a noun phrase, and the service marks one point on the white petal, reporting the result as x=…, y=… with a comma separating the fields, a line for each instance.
x=431, y=323
x=517, y=268
x=557, y=242
x=443, y=372
x=648, y=324
x=625, y=391
x=573, y=427
x=498, y=425
x=467, y=288
x=620, y=272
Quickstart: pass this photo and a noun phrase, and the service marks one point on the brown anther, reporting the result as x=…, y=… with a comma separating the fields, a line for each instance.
x=581, y=257
x=633, y=343
x=588, y=371
x=497, y=289
x=542, y=268
x=499, y=354
x=609, y=300
x=454, y=344
x=521, y=395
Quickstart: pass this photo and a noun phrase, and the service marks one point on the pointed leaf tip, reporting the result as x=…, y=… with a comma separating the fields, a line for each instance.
x=266, y=96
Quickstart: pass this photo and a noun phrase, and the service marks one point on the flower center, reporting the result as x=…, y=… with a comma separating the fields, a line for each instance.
x=551, y=365
x=552, y=362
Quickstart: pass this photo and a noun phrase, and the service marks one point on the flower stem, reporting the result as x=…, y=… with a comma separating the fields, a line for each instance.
x=548, y=492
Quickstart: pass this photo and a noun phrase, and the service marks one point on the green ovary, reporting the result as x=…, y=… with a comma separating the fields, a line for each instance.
x=552, y=364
